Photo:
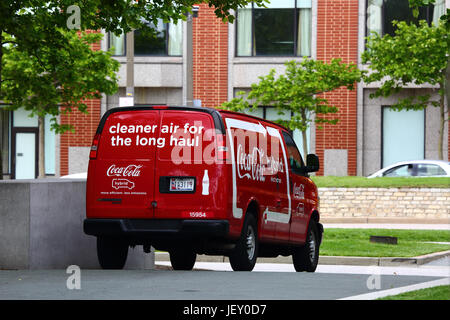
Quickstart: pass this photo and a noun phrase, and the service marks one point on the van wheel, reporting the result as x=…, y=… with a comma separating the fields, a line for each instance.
x=182, y=259
x=244, y=255
x=112, y=252
x=306, y=258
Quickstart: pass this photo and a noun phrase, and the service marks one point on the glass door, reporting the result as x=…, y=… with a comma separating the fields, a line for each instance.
x=25, y=155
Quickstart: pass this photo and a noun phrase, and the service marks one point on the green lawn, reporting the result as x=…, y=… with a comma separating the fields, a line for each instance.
x=435, y=293
x=355, y=242
x=385, y=182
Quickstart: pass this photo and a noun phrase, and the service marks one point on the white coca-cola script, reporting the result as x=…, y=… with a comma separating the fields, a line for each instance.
x=131, y=170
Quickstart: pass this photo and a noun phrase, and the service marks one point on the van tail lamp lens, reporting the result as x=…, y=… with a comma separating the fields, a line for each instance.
x=222, y=149
x=94, y=147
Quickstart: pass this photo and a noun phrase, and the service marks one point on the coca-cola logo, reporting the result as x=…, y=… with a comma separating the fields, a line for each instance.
x=256, y=165
x=131, y=170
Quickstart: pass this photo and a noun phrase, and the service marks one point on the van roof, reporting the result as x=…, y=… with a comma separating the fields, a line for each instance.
x=215, y=113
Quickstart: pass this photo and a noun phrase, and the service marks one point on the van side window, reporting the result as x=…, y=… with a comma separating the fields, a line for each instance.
x=294, y=157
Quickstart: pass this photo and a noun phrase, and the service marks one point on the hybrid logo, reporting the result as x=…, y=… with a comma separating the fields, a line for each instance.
x=130, y=171
x=122, y=183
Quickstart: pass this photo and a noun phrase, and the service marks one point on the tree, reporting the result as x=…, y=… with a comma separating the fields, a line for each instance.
x=298, y=91
x=36, y=27
x=416, y=55
x=445, y=20
x=58, y=80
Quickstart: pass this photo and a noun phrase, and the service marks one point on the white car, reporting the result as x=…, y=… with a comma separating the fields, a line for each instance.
x=415, y=168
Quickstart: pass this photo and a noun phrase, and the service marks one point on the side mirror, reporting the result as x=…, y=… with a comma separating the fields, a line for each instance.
x=312, y=163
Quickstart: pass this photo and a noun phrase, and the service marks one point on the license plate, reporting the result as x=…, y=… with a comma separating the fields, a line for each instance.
x=181, y=184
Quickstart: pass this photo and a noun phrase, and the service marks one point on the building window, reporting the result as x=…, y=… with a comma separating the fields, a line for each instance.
x=271, y=114
x=381, y=13
x=281, y=29
x=403, y=135
x=166, y=41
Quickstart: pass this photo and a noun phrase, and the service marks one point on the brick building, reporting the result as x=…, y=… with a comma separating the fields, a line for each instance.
x=228, y=58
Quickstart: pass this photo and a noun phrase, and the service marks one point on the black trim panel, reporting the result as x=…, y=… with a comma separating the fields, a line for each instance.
x=150, y=228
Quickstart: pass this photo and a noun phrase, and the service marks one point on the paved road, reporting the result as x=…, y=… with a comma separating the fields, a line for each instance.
x=273, y=281
x=268, y=281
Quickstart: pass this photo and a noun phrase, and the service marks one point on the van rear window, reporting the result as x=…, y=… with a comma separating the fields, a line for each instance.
x=189, y=137
x=183, y=137
x=130, y=135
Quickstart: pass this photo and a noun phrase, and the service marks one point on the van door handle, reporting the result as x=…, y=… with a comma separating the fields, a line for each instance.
x=278, y=202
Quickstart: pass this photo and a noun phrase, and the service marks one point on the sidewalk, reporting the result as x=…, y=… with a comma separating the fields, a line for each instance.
x=346, y=261
x=329, y=260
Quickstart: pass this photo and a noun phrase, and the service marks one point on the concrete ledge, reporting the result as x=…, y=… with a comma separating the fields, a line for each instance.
x=385, y=220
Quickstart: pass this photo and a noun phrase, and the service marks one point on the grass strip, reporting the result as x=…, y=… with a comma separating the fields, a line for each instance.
x=355, y=242
x=434, y=293
x=385, y=182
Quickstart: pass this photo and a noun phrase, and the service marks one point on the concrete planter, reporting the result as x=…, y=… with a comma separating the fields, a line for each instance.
x=41, y=227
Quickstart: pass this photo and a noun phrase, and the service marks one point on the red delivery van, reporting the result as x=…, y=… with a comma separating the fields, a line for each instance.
x=200, y=181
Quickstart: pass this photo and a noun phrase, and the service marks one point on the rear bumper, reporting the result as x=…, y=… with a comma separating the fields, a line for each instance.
x=156, y=228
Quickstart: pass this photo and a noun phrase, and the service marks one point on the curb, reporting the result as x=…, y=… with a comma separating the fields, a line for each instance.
x=332, y=260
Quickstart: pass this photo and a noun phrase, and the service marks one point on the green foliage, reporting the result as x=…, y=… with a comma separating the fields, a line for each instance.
x=42, y=63
x=417, y=54
x=54, y=80
x=298, y=91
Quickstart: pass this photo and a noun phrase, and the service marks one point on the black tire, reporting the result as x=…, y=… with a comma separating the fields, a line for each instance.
x=182, y=259
x=244, y=255
x=111, y=252
x=306, y=258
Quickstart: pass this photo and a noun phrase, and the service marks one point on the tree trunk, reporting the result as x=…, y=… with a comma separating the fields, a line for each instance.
x=304, y=138
x=41, y=172
x=441, y=127
x=447, y=84
x=305, y=144
x=1, y=133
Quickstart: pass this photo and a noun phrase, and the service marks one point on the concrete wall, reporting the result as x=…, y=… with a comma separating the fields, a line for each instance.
x=41, y=227
x=395, y=205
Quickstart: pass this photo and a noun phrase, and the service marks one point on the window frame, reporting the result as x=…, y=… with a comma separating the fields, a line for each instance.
x=383, y=17
x=295, y=27
x=166, y=45
x=6, y=118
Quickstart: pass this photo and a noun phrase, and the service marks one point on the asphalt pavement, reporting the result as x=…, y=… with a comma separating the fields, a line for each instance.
x=212, y=280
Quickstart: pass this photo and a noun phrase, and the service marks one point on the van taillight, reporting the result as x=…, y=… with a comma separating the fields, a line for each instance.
x=94, y=147
x=222, y=149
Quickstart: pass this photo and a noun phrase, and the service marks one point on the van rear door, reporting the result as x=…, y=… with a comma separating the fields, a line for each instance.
x=189, y=184
x=122, y=175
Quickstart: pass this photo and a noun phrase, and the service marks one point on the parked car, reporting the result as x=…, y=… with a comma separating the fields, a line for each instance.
x=415, y=168
x=200, y=181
